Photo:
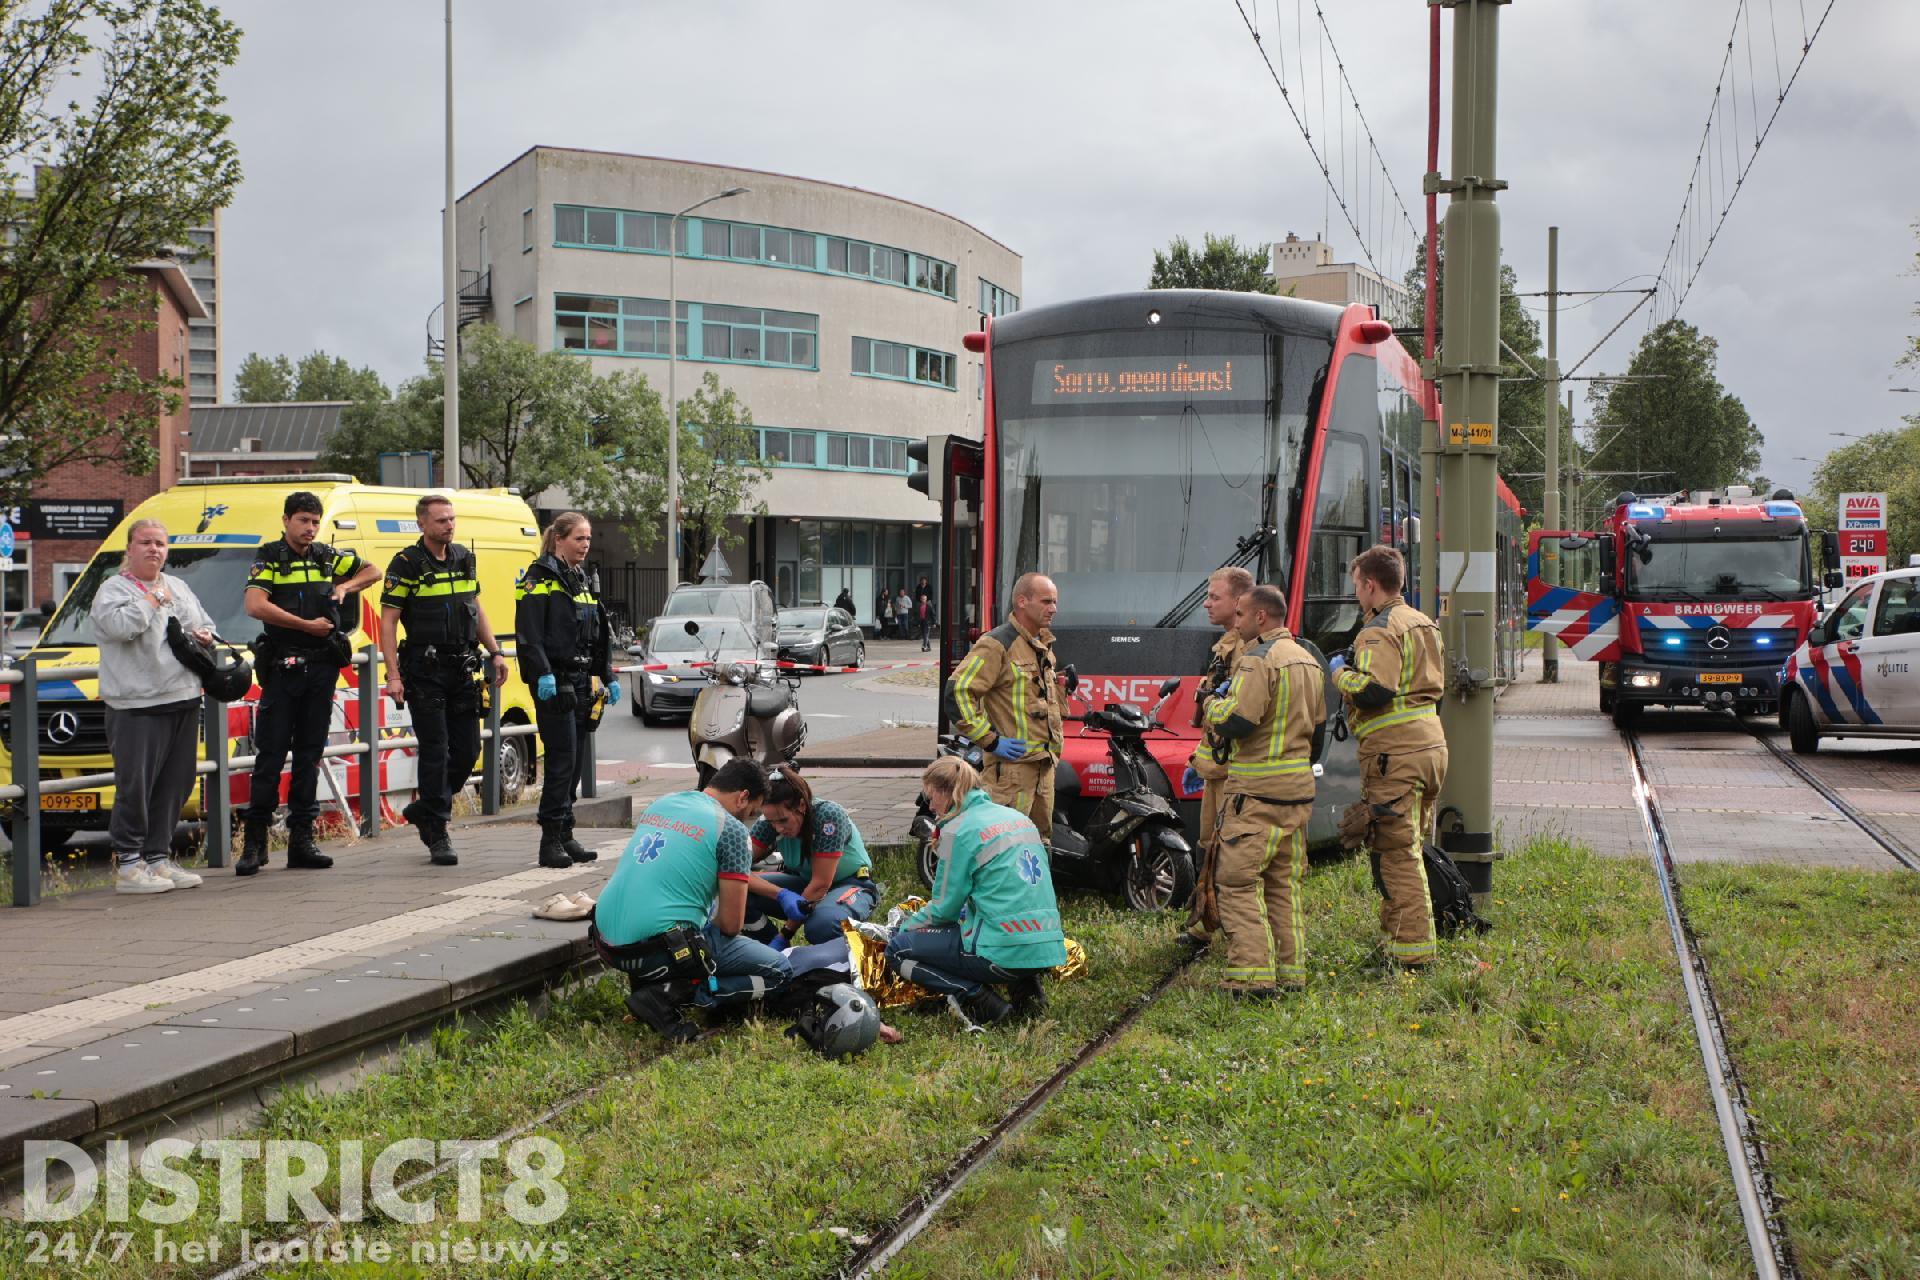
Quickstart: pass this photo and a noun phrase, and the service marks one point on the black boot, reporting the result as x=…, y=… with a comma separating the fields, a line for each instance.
x=420, y=820
x=654, y=1005
x=303, y=853
x=439, y=847
x=575, y=850
x=553, y=849
x=989, y=1008
x=1029, y=997
x=253, y=847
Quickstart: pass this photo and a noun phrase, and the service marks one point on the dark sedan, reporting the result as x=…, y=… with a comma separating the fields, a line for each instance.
x=821, y=637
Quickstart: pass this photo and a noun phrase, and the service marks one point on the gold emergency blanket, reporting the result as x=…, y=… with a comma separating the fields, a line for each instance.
x=891, y=991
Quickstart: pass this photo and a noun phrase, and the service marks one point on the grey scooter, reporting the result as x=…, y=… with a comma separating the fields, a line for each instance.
x=746, y=711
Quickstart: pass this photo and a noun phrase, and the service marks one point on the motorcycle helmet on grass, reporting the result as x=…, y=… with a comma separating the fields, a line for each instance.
x=840, y=1021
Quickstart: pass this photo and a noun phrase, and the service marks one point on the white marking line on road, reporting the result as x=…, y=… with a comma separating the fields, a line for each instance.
x=826, y=715
x=488, y=897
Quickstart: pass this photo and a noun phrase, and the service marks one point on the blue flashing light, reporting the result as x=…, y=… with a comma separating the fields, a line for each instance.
x=1763, y=640
x=1673, y=642
x=1779, y=509
x=1639, y=511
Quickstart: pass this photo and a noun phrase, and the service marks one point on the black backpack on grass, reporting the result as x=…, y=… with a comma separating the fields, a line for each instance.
x=1453, y=912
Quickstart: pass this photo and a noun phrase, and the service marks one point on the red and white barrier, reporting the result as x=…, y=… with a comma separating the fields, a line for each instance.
x=781, y=664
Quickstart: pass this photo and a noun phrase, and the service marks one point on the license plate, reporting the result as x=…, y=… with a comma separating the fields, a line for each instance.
x=68, y=801
x=1719, y=677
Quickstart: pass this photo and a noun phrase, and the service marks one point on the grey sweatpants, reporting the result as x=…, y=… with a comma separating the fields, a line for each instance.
x=154, y=753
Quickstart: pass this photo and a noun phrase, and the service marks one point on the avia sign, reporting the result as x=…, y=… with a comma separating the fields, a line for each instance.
x=1863, y=534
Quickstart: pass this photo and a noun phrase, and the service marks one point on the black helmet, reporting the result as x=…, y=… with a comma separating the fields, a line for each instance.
x=840, y=1021
x=223, y=673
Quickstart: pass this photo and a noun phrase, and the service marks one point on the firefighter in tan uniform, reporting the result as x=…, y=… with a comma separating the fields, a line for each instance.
x=1393, y=685
x=1005, y=696
x=1205, y=774
x=1270, y=725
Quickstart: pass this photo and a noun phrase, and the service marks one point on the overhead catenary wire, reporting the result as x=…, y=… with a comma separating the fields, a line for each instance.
x=1349, y=181
x=1724, y=158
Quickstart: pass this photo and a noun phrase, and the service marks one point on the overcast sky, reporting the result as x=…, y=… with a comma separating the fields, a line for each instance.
x=1086, y=135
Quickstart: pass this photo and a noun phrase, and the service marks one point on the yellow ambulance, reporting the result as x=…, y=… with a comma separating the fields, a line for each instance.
x=214, y=528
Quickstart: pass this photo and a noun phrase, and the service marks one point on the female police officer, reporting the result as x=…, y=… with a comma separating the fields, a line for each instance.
x=826, y=872
x=993, y=918
x=563, y=640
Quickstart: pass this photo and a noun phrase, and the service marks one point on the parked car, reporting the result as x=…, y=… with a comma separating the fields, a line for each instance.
x=1858, y=674
x=825, y=637
x=751, y=602
x=23, y=632
x=673, y=692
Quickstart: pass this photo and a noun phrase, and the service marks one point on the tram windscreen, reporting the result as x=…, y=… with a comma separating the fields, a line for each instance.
x=1130, y=464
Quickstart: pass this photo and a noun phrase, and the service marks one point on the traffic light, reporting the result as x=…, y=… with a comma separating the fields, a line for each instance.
x=931, y=454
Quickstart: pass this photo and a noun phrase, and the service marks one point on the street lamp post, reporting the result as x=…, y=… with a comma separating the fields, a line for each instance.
x=673, y=399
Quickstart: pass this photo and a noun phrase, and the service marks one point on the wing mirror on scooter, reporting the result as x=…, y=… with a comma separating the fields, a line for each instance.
x=692, y=628
x=1168, y=685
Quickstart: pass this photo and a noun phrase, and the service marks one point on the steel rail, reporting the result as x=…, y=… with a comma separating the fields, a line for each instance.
x=1760, y=1209
x=1894, y=849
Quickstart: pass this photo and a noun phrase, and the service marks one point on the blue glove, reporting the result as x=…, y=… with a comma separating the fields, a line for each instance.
x=613, y=693
x=1220, y=690
x=545, y=689
x=779, y=942
x=1010, y=748
x=793, y=906
x=1192, y=781
x=1337, y=663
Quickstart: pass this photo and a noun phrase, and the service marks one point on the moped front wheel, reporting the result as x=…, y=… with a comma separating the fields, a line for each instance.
x=1158, y=877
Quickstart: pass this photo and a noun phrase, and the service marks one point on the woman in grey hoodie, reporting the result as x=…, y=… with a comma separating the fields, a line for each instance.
x=153, y=709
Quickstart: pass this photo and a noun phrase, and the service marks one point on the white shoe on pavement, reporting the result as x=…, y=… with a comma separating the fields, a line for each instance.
x=182, y=879
x=137, y=877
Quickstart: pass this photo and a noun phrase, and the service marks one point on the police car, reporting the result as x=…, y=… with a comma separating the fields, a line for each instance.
x=1858, y=674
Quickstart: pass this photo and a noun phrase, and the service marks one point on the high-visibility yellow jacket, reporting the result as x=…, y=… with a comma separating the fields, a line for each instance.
x=1005, y=688
x=1271, y=713
x=1226, y=656
x=1396, y=681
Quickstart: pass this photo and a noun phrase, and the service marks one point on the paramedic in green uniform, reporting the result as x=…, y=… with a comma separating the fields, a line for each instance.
x=653, y=921
x=827, y=874
x=993, y=917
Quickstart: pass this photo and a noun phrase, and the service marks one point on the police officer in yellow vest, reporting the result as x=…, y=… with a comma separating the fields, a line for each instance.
x=296, y=589
x=1269, y=726
x=1205, y=774
x=1393, y=684
x=1005, y=696
x=433, y=589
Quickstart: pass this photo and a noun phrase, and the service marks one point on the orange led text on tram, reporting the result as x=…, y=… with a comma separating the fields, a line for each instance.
x=1181, y=379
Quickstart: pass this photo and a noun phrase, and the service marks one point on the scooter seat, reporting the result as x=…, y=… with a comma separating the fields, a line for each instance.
x=767, y=700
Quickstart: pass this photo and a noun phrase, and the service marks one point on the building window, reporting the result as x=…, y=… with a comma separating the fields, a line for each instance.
x=706, y=331
x=873, y=358
x=831, y=450
x=526, y=231
x=585, y=227
x=995, y=301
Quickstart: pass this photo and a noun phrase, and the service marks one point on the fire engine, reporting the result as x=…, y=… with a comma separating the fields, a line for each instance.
x=1701, y=599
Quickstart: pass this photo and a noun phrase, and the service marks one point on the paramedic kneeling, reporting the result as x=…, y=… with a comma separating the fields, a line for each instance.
x=651, y=923
x=993, y=918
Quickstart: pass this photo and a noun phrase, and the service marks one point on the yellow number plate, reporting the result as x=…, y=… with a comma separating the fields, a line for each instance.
x=69, y=800
x=1719, y=677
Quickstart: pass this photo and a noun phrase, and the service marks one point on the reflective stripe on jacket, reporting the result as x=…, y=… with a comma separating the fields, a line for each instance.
x=1226, y=656
x=438, y=600
x=1396, y=680
x=558, y=623
x=1269, y=714
x=1005, y=688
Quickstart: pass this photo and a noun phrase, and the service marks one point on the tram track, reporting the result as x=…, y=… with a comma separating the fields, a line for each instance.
x=1894, y=849
x=1761, y=1212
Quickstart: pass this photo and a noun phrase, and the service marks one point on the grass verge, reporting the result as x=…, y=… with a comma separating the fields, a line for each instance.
x=1533, y=1107
x=744, y=1154
x=1817, y=973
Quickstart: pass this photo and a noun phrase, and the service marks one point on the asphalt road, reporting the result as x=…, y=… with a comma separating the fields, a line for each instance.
x=835, y=706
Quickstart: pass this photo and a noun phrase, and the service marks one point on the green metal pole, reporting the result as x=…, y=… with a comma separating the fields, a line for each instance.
x=1550, y=372
x=1470, y=368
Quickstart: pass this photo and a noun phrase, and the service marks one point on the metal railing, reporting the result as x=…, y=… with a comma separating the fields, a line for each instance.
x=27, y=787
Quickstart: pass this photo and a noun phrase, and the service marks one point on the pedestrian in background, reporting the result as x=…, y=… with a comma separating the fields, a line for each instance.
x=844, y=602
x=923, y=607
x=903, y=613
x=560, y=632
x=153, y=710
x=883, y=615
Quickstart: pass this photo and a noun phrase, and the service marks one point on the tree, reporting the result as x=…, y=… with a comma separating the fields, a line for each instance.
x=529, y=419
x=720, y=467
x=318, y=376
x=1885, y=462
x=1221, y=264
x=1679, y=425
x=1522, y=396
x=121, y=179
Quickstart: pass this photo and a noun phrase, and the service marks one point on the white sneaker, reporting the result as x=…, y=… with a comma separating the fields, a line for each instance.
x=137, y=877
x=182, y=879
